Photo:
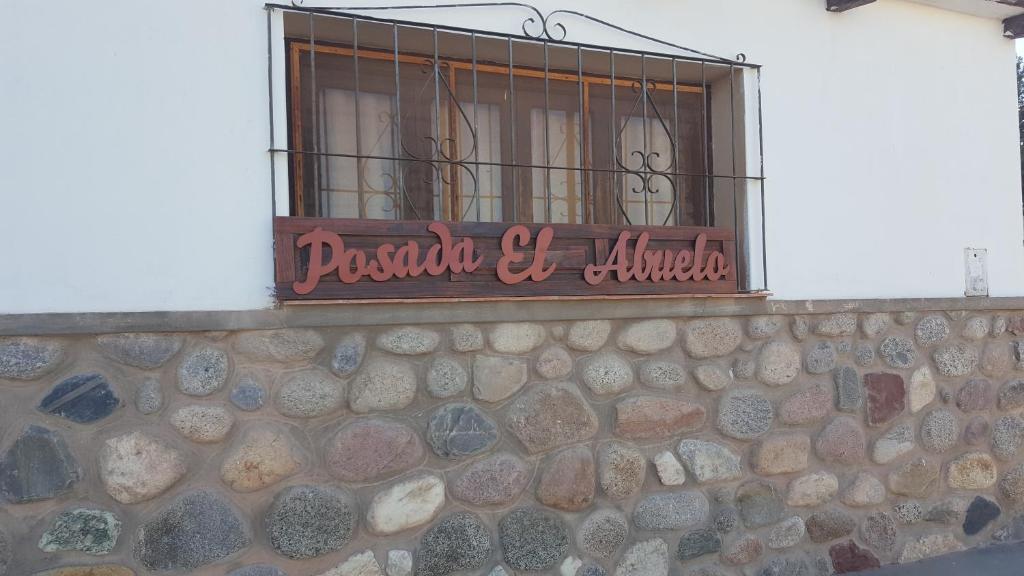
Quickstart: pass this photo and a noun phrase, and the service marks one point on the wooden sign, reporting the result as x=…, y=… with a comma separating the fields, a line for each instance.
x=331, y=259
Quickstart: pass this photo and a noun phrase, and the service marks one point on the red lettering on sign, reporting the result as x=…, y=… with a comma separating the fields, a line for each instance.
x=520, y=235
x=657, y=265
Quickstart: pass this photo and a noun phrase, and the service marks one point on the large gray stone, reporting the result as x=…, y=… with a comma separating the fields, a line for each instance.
x=532, y=539
x=662, y=374
x=459, y=542
x=446, y=378
x=671, y=510
x=28, y=358
x=764, y=326
x=711, y=337
x=821, y=358
x=778, y=363
x=849, y=394
x=149, y=397
x=460, y=430
x=310, y=393
x=759, y=503
x=466, y=338
x=82, y=398
x=898, y=352
x=607, y=373
x=548, y=416
x=958, y=359
x=744, y=414
x=841, y=324
x=1011, y=396
x=603, y=533
x=697, y=543
x=203, y=371
x=1007, y=436
x=348, y=354
x=285, y=345
x=409, y=340
x=829, y=524
x=896, y=442
x=38, y=466
x=879, y=531
x=138, y=349
x=93, y=532
x=383, y=384
x=787, y=533
x=939, y=430
x=647, y=558
x=195, y=529
x=931, y=330
x=309, y=521
x=709, y=462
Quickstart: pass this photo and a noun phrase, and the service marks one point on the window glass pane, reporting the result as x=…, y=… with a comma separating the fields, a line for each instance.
x=557, y=192
x=481, y=186
x=650, y=189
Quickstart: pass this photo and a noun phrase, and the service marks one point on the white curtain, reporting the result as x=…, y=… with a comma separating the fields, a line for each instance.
x=563, y=149
x=658, y=206
x=486, y=207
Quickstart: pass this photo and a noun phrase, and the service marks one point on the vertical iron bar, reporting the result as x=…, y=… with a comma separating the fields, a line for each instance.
x=704, y=146
x=437, y=130
x=735, y=196
x=512, y=133
x=582, y=170
x=547, y=140
x=676, y=151
x=359, y=149
x=270, y=100
x=316, y=123
x=477, y=193
x=613, y=125
x=397, y=145
x=760, y=152
x=643, y=165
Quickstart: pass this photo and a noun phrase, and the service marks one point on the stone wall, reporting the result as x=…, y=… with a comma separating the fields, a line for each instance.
x=771, y=445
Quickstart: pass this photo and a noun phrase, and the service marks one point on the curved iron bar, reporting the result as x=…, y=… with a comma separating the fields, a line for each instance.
x=545, y=31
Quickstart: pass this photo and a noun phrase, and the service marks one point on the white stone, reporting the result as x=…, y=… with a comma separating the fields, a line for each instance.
x=787, y=533
x=399, y=563
x=866, y=490
x=495, y=378
x=135, y=467
x=516, y=338
x=711, y=377
x=778, y=363
x=554, y=363
x=709, y=462
x=921, y=390
x=498, y=570
x=569, y=566
x=812, y=489
x=203, y=423
x=607, y=373
x=383, y=385
x=928, y=546
x=670, y=471
x=648, y=558
x=406, y=505
x=897, y=441
x=648, y=336
x=362, y=564
x=588, y=335
x=409, y=340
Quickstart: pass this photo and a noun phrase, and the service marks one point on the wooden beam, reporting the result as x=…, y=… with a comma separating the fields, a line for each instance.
x=1013, y=27
x=844, y=5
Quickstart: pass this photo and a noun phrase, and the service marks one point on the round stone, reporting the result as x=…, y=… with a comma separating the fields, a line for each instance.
x=588, y=335
x=203, y=371
x=516, y=338
x=265, y=455
x=744, y=414
x=405, y=505
x=195, y=529
x=812, y=489
x=898, y=352
x=743, y=368
x=956, y=359
x=879, y=531
x=931, y=330
x=203, y=423
x=821, y=358
x=1011, y=396
x=248, y=395
x=1011, y=486
x=1007, y=436
x=383, y=385
x=309, y=521
x=662, y=374
x=908, y=512
x=532, y=539
x=709, y=462
x=29, y=358
x=787, y=533
x=671, y=511
x=285, y=345
x=497, y=480
x=460, y=430
x=656, y=418
x=607, y=373
x=149, y=398
x=939, y=430
x=348, y=354
x=554, y=362
x=602, y=533
x=135, y=467
x=842, y=442
x=141, y=350
x=698, y=543
x=711, y=337
x=548, y=416
x=975, y=328
x=446, y=378
x=621, y=469
x=82, y=399
x=711, y=377
x=93, y=532
x=972, y=471
x=866, y=490
x=917, y=479
x=372, y=450
x=567, y=480
x=759, y=503
x=976, y=431
x=467, y=338
x=759, y=327
x=807, y=406
x=496, y=378
x=841, y=324
x=828, y=525
x=408, y=340
x=647, y=336
x=726, y=520
x=309, y=393
x=778, y=363
x=458, y=542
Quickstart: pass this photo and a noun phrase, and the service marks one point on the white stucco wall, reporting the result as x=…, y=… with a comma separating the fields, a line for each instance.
x=134, y=172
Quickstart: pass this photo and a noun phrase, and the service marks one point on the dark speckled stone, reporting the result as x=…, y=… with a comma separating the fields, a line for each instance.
x=258, y=570
x=195, y=529
x=82, y=398
x=980, y=513
x=38, y=466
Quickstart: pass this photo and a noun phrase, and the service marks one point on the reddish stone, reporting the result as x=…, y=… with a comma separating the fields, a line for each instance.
x=1015, y=325
x=372, y=450
x=567, y=482
x=974, y=396
x=848, y=557
x=494, y=481
x=976, y=431
x=886, y=397
x=743, y=551
x=807, y=406
x=652, y=417
x=841, y=442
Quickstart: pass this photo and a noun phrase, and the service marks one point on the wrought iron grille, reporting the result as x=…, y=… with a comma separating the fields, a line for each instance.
x=399, y=120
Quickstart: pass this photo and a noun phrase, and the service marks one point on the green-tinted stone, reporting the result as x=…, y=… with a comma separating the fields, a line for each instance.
x=90, y=531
